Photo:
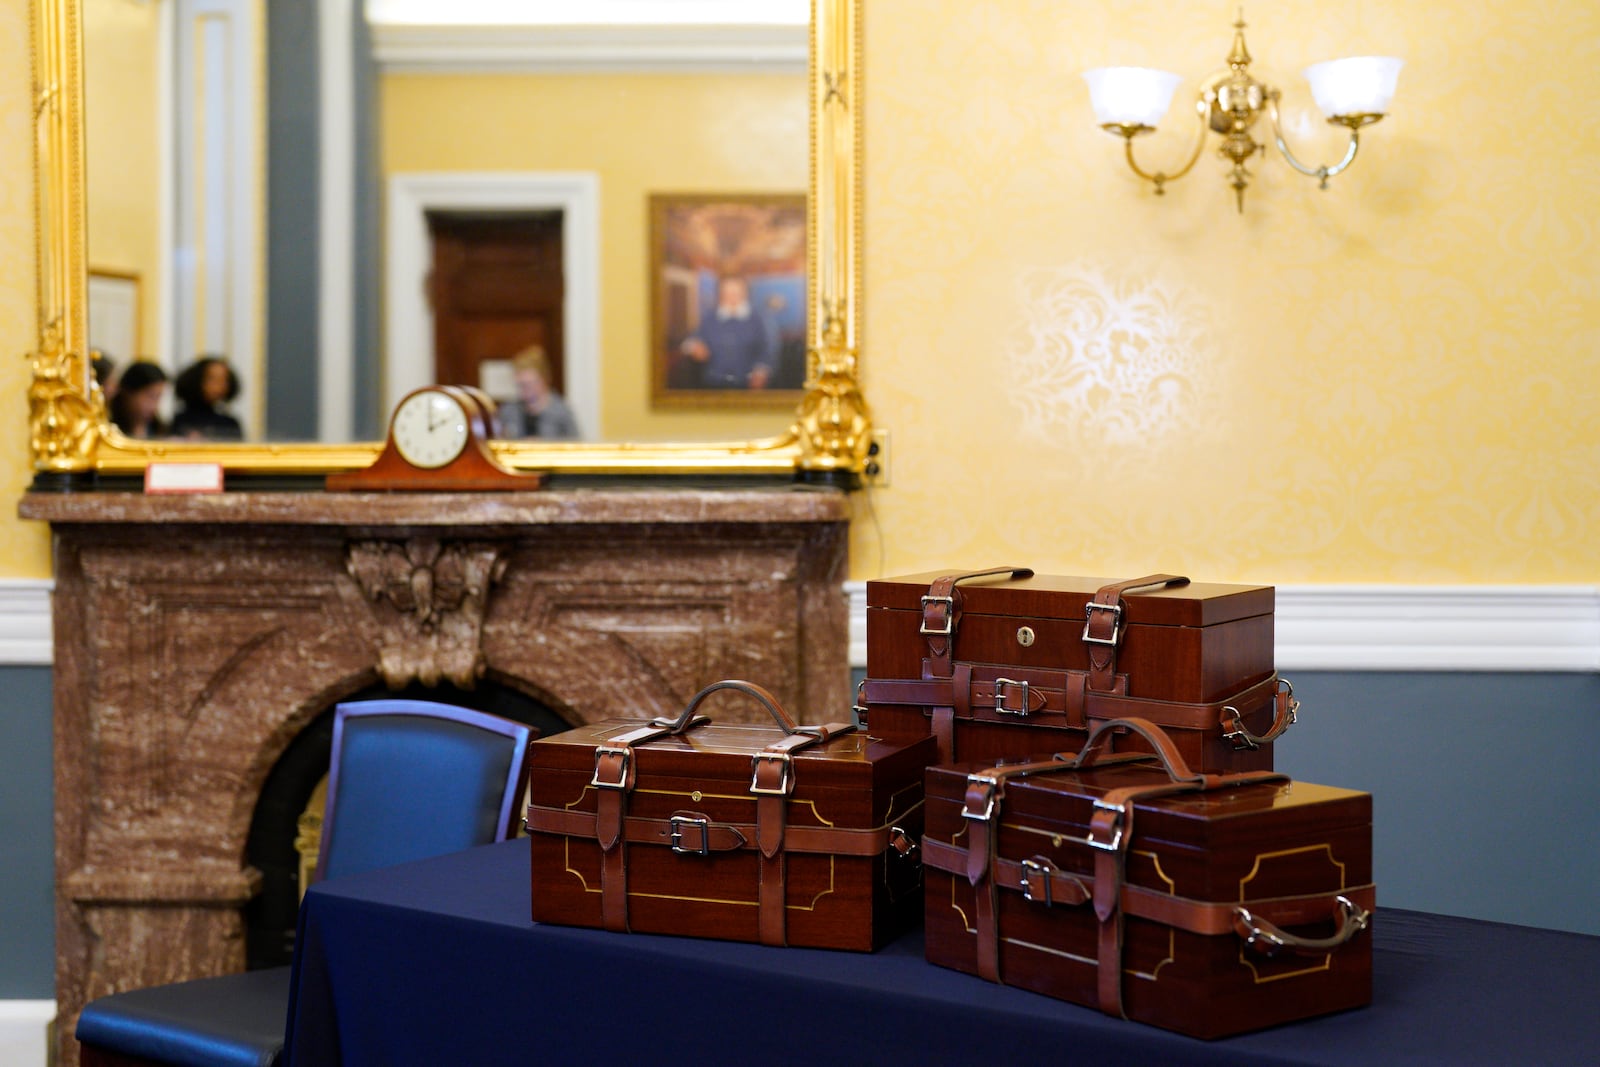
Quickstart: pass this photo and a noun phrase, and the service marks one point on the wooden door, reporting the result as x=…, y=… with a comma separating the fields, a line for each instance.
x=496, y=287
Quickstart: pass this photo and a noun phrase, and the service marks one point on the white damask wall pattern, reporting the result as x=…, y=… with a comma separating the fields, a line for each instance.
x=1394, y=380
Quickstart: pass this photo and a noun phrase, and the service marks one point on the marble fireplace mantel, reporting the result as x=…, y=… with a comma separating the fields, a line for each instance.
x=195, y=637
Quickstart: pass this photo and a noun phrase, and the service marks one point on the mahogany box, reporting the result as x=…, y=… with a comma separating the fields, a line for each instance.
x=777, y=833
x=1005, y=662
x=1206, y=904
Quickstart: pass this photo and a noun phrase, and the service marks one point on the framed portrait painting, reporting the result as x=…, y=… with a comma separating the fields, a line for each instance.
x=728, y=299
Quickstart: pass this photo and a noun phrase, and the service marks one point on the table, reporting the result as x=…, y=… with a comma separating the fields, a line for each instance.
x=436, y=963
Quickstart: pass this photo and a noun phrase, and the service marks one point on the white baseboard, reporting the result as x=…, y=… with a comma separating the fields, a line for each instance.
x=1408, y=628
x=25, y=625
x=25, y=1032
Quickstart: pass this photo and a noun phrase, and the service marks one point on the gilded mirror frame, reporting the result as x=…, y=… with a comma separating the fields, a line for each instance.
x=71, y=438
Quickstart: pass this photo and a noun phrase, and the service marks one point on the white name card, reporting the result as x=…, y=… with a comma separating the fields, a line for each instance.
x=183, y=478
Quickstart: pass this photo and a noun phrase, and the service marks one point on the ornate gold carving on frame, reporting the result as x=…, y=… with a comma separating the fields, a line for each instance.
x=69, y=432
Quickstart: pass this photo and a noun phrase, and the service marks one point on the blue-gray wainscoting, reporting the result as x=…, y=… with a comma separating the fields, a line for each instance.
x=1485, y=792
x=1487, y=796
x=27, y=877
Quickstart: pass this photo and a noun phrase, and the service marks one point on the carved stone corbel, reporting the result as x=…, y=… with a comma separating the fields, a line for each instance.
x=428, y=598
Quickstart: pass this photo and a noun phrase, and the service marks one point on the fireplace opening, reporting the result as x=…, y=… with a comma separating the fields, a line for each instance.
x=295, y=785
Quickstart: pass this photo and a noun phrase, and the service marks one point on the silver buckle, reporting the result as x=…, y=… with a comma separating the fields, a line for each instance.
x=1116, y=623
x=1242, y=741
x=612, y=750
x=1116, y=838
x=1034, y=871
x=1000, y=697
x=678, y=822
x=988, y=808
x=949, y=603
x=1263, y=941
x=785, y=777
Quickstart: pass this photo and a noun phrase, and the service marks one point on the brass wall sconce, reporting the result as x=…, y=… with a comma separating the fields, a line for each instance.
x=1353, y=92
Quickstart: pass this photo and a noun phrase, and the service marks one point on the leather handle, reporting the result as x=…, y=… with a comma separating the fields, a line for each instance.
x=1149, y=581
x=1011, y=573
x=1286, y=710
x=1171, y=759
x=687, y=719
x=1102, y=625
x=1269, y=939
x=941, y=610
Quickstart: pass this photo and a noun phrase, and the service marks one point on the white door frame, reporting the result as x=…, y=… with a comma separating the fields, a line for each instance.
x=408, y=317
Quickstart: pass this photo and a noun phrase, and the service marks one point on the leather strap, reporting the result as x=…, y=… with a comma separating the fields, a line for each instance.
x=941, y=608
x=613, y=859
x=941, y=617
x=772, y=920
x=1102, y=627
x=1062, y=700
x=614, y=776
x=695, y=831
x=772, y=780
x=981, y=807
x=1205, y=917
x=818, y=840
x=1174, y=714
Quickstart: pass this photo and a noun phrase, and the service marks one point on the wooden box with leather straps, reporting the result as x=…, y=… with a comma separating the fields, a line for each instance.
x=1206, y=904
x=1003, y=662
x=780, y=834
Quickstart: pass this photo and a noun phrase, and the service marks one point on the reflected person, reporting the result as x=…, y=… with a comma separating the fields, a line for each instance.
x=734, y=347
x=203, y=388
x=136, y=405
x=538, y=411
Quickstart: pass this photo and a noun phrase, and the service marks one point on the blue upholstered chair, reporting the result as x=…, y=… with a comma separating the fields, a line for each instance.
x=407, y=780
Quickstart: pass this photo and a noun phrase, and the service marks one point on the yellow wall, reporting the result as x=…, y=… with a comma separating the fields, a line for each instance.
x=24, y=546
x=1391, y=381
x=121, y=106
x=1394, y=380
x=642, y=134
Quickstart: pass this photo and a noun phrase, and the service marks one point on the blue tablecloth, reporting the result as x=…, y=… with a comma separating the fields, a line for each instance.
x=436, y=963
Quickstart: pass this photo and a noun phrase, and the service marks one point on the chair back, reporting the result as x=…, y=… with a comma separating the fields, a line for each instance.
x=411, y=779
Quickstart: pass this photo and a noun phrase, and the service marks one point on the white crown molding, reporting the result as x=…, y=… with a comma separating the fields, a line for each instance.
x=413, y=49
x=25, y=1032
x=1408, y=628
x=25, y=624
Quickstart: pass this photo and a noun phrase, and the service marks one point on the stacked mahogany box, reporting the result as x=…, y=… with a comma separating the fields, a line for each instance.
x=1087, y=764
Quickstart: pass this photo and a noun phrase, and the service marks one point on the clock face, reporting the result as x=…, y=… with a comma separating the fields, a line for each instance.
x=429, y=428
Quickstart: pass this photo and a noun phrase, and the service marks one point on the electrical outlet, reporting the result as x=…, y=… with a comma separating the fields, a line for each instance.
x=876, y=474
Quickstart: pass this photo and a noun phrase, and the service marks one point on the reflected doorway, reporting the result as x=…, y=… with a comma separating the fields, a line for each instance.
x=496, y=286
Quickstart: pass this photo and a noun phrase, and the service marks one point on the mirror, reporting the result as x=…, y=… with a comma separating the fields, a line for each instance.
x=425, y=126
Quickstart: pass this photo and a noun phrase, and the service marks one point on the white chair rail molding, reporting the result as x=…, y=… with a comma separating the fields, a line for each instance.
x=1408, y=627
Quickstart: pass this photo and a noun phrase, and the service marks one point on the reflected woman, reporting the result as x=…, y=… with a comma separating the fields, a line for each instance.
x=136, y=405
x=538, y=410
x=202, y=389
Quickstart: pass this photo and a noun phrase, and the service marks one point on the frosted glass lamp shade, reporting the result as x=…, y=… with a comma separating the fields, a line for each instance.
x=1130, y=96
x=1359, y=85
